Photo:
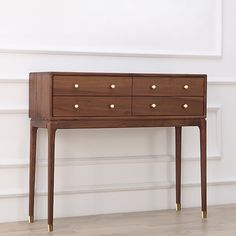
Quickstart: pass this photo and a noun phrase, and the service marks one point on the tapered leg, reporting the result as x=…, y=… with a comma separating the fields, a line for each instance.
x=203, y=143
x=178, y=136
x=51, y=158
x=33, y=140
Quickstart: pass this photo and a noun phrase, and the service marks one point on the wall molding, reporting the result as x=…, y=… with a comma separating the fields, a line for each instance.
x=24, y=110
x=223, y=83
x=14, y=110
x=162, y=54
x=216, y=108
x=219, y=27
x=9, y=79
x=124, y=187
x=86, y=161
x=23, y=78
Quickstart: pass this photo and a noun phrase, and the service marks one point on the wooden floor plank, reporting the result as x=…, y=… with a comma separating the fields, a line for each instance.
x=221, y=221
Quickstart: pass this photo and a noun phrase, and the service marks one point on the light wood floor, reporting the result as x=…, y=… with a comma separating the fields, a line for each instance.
x=221, y=222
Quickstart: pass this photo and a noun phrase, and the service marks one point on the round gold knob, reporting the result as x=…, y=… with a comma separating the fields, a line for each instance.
x=186, y=86
x=76, y=86
x=112, y=106
x=76, y=106
x=112, y=86
x=153, y=86
x=185, y=106
x=153, y=105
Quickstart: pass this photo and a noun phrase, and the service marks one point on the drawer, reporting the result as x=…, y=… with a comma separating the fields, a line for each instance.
x=164, y=86
x=92, y=85
x=91, y=106
x=168, y=106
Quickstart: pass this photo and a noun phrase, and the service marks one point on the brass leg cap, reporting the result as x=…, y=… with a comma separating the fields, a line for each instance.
x=50, y=228
x=31, y=219
x=178, y=207
x=204, y=214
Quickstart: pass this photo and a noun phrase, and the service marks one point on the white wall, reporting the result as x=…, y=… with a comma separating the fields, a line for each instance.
x=116, y=170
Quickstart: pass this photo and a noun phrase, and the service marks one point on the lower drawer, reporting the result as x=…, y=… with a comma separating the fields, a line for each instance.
x=168, y=106
x=91, y=106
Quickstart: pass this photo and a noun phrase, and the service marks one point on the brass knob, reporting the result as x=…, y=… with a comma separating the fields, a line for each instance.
x=76, y=106
x=153, y=105
x=112, y=86
x=112, y=106
x=186, y=86
x=153, y=87
x=76, y=86
x=185, y=106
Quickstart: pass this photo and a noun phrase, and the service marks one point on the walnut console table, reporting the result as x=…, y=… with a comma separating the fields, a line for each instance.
x=100, y=100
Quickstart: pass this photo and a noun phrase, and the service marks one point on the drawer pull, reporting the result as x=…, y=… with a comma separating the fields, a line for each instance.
x=112, y=106
x=76, y=86
x=153, y=105
x=76, y=106
x=186, y=86
x=112, y=86
x=153, y=87
x=185, y=106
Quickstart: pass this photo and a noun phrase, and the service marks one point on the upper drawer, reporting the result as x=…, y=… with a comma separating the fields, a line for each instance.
x=92, y=85
x=164, y=86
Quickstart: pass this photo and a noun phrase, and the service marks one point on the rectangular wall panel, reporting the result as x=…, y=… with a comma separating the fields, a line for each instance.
x=133, y=27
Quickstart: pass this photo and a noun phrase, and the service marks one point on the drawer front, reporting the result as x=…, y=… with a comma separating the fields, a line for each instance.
x=91, y=106
x=164, y=86
x=168, y=106
x=92, y=85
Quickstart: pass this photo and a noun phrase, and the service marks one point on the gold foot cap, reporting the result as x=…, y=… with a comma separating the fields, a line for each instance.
x=204, y=214
x=31, y=219
x=178, y=207
x=50, y=228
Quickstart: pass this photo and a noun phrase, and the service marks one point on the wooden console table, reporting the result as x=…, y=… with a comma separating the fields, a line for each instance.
x=97, y=100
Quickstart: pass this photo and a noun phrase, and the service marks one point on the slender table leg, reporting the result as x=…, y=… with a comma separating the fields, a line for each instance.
x=203, y=143
x=51, y=158
x=178, y=135
x=33, y=140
